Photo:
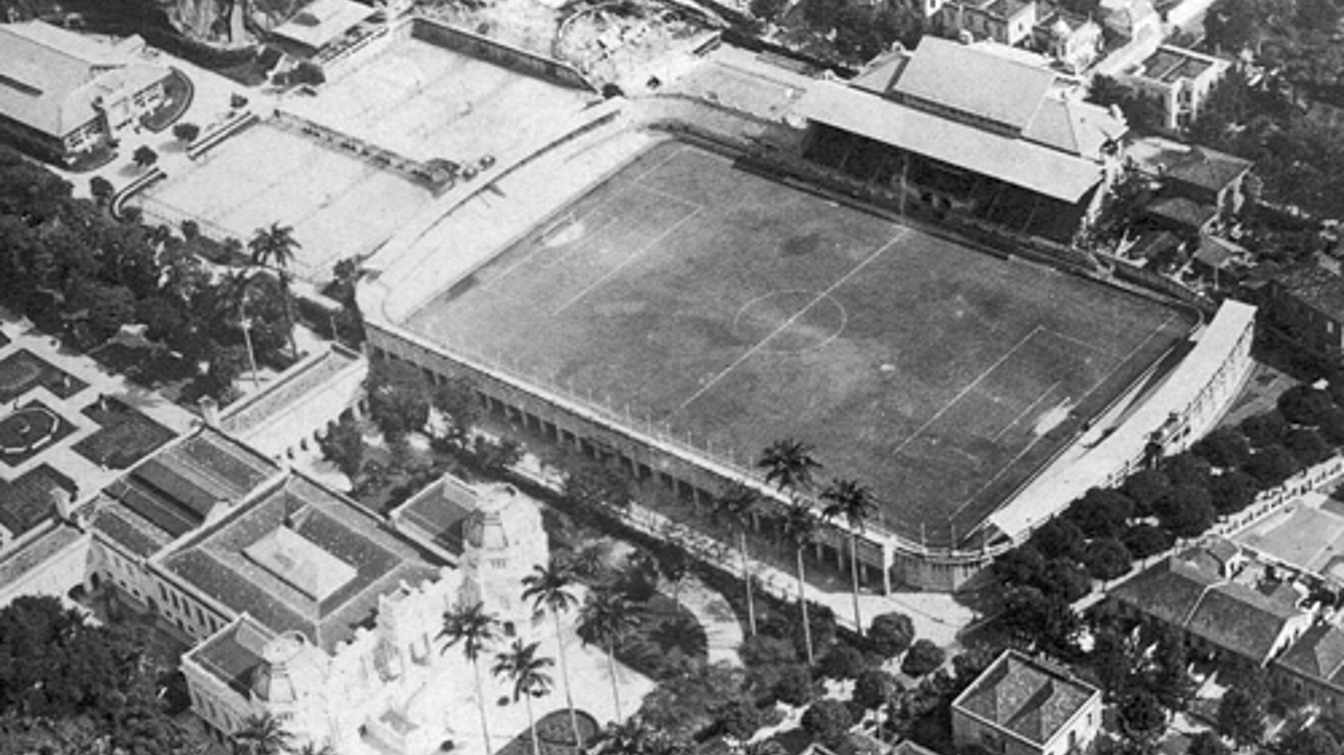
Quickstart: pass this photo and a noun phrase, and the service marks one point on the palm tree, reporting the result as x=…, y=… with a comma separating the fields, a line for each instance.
x=262, y=735
x=312, y=749
x=605, y=618
x=274, y=247
x=788, y=464
x=524, y=668
x=854, y=503
x=800, y=529
x=738, y=503
x=550, y=589
x=475, y=629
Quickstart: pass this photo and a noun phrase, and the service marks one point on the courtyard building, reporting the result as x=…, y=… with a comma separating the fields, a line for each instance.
x=63, y=94
x=1022, y=706
x=1305, y=302
x=1177, y=81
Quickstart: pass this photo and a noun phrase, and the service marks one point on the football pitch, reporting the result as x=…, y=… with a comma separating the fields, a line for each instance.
x=742, y=310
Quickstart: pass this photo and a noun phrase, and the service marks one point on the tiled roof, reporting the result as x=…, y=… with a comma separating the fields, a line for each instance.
x=50, y=78
x=214, y=562
x=1240, y=619
x=1025, y=697
x=243, y=416
x=232, y=653
x=963, y=78
x=1169, y=590
x=34, y=553
x=27, y=501
x=437, y=513
x=1316, y=286
x=321, y=21
x=121, y=525
x=1317, y=654
x=1182, y=211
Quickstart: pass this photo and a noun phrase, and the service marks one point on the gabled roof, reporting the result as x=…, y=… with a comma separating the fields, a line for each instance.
x=1207, y=168
x=1025, y=697
x=321, y=21
x=1182, y=211
x=50, y=78
x=1318, y=654
x=1315, y=284
x=960, y=77
x=1169, y=591
x=233, y=653
x=1236, y=617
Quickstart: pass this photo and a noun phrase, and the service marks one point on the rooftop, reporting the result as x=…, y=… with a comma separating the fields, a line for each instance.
x=223, y=562
x=34, y=553
x=233, y=652
x=1025, y=697
x=1182, y=211
x=1170, y=64
x=965, y=78
x=1170, y=590
x=51, y=78
x=259, y=409
x=1206, y=168
x=437, y=513
x=30, y=499
x=1316, y=284
x=321, y=21
x=1318, y=654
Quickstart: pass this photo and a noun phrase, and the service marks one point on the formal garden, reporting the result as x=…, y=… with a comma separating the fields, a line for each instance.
x=125, y=435
x=23, y=370
x=28, y=429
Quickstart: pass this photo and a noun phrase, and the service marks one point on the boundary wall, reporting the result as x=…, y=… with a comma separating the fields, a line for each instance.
x=526, y=62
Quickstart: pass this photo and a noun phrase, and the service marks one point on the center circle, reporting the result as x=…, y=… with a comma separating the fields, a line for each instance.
x=794, y=320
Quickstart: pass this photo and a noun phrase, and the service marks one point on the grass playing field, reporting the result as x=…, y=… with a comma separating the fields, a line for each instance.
x=743, y=310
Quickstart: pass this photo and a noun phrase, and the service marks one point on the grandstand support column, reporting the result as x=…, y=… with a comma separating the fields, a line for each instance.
x=886, y=568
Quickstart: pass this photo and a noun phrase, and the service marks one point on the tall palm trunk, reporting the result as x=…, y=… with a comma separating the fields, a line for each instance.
x=480, y=704
x=802, y=604
x=532, y=724
x=854, y=580
x=289, y=312
x=746, y=577
x=611, y=669
x=564, y=676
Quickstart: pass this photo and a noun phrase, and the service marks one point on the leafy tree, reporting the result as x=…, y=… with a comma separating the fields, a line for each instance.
x=144, y=156
x=496, y=456
x=101, y=189
x=1232, y=26
x=922, y=657
x=795, y=685
x=1232, y=491
x=1059, y=538
x=263, y=734
x=765, y=658
x=1264, y=429
x=1304, y=405
x=224, y=365
x=1107, y=558
x=1023, y=565
x=1241, y=716
x=1207, y=743
x=1311, y=740
x=1306, y=445
x=455, y=399
x=1142, y=718
x=875, y=688
x=344, y=446
x=1144, y=540
x=1040, y=620
x=398, y=397
x=1101, y=512
x=1332, y=426
x=1224, y=447
x=767, y=10
x=525, y=669
x=1187, y=469
x=607, y=617
x=853, y=502
x=1144, y=488
x=674, y=566
x=476, y=630
x=1272, y=465
x=969, y=664
x=739, y=505
x=1186, y=510
x=1065, y=578
x=1115, y=659
x=828, y=721
x=594, y=485
x=843, y=662
x=186, y=132
x=891, y=633
x=1168, y=677
x=551, y=589
x=788, y=464
x=741, y=718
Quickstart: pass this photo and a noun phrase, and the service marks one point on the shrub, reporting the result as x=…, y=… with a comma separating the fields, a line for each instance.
x=741, y=718
x=1107, y=558
x=843, y=662
x=874, y=687
x=1264, y=429
x=795, y=685
x=1271, y=465
x=1226, y=447
x=891, y=634
x=766, y=651
x=1304, y=405
x=1306, y=446
x=186, y=132
x=922, y=657
x=828, y=721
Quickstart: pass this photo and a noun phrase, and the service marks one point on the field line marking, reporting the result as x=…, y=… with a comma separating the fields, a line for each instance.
x=1078, y=342
x=792, y=318
x=969, y=387
x=1102, y=381
x=645, y=174
x=630, y=258
x=666, y=195
x=555, y=227
x=1024, y=412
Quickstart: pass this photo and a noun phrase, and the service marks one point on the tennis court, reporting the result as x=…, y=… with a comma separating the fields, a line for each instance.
x=741, y=310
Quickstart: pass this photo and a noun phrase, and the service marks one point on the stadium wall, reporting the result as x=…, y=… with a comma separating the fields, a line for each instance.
x=514, y=58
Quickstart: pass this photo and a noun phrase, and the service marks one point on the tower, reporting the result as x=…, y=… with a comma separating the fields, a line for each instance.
x=503, y=539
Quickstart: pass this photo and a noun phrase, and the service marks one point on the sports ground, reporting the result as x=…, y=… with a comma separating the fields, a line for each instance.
x=741, y=310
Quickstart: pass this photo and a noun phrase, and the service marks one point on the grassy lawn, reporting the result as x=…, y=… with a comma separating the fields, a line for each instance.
x=27, y=500
x=178, y=93
x=553, y=730
x=28, y=431
x=127, y=436
x=23, y=370
x=738, y=310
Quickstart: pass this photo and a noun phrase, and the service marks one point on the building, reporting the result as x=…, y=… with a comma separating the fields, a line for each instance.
x=983, y=129
x=1074, y=41
x=1200, y=188
x=327, y=32
x=1178, y=81
x=1008, y=22
x=1306, y=303
x=1020, y=706
x=1224, y=607
x=1313, y=669
x=63, y=94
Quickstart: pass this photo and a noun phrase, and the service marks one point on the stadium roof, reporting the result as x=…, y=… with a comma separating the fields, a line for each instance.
x=1025, y=697
x=50, y=78
x=321, y=21
x=1034, y=167
x=973, y=81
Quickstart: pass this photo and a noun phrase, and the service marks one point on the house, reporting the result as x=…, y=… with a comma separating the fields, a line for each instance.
x=1218, y=607
x=319, y=24
x=1020, y=706
x=1178, y=81
x=63, y=94
x=1185, y=217
x=1313, y=669
x=1008, y=22
x=1306, y=303
x=1074, y=41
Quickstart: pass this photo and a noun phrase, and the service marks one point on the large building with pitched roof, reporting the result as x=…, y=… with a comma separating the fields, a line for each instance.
x=980, y=128
x=63, y=93
x=1020, y=706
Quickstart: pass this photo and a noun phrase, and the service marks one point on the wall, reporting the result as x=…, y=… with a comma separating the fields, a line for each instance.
x=437, y=179
x=516, y=59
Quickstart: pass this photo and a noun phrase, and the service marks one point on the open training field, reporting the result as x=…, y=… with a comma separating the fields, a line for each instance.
x=425, y=101
x=338, y=204
x=742, y=310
